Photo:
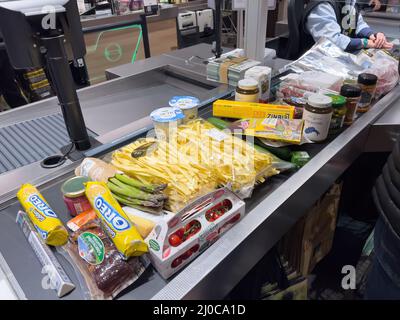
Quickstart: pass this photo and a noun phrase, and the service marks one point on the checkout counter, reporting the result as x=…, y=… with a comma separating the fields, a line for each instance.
x=116, y=113
x=386, y=22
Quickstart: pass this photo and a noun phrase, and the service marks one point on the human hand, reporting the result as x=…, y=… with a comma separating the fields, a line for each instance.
x=377, y=5
x=379, y=40
x=373, y=44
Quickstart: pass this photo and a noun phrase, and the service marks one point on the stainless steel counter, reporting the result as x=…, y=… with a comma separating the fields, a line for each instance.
x=385, y=131
x=388, y=23
x=274, y=207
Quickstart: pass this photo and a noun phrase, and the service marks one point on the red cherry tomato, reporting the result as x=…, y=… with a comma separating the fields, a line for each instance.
x=175, y=240
x=176, y=262
x=180, y=232
x=186, y=255
x=195, y=248
x=235, y=218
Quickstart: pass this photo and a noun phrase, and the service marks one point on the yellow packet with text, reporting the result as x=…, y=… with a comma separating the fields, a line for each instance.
x=45, y=220
x=117, y=224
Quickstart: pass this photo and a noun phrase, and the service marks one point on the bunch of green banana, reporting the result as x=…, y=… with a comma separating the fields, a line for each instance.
x=135, y=194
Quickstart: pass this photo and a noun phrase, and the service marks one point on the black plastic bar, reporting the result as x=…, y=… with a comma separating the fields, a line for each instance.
x=218, y=29
x=63, y=83
x=142, y=22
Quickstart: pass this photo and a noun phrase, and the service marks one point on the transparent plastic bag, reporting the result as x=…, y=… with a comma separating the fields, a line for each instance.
x=102, y=271
x=385, y=68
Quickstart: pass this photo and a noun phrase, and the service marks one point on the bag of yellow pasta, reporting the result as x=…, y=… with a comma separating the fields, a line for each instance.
x=234, y=162
x=156, y=162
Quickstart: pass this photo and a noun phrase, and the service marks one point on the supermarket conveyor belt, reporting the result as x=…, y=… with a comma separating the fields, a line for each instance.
x=274, y=207
x=272, y=210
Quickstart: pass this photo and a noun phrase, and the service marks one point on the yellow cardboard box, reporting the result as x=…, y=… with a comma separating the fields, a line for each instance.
x=244, y=110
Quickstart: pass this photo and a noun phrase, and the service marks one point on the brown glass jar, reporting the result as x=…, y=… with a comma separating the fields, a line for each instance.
x=317, y=117
x=352, y=93
x=367, y=83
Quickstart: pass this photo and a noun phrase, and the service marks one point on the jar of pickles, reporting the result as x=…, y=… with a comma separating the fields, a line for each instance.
x=339, y=113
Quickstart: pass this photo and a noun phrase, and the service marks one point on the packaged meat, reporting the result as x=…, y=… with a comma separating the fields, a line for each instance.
x=122, y=232
x=46, y=222
x=105, y=271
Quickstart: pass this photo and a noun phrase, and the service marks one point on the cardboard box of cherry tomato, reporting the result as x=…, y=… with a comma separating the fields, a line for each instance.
x=175, y=243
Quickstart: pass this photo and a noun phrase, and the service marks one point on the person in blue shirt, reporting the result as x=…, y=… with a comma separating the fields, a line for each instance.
x=342, y=23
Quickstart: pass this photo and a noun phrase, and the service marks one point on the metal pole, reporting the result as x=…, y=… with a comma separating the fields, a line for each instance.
x=218, y=30
x=256, y=29
x=240, y=29
x=145, y=34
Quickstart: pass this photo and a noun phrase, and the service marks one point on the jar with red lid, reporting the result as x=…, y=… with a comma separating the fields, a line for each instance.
x=74, y=195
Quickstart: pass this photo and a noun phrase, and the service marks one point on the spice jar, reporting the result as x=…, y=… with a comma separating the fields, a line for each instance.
x=299, y=104
x=247, y=91
x=352, y=94
x=74, y=195
x=339, y=113
x=317, y=117
x=367, y=83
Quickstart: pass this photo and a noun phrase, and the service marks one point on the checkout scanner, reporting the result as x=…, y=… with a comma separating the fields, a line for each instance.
x=49, y=33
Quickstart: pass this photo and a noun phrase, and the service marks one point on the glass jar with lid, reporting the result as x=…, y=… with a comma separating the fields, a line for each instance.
x=74, y=195
x=367, y=83
x=317, y=117
x=339, y=113
x=352, y=93
x=247, y=91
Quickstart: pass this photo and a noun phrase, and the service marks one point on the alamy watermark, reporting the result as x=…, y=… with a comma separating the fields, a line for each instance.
x=349, y=280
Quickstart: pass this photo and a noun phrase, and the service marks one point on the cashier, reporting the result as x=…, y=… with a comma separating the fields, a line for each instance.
x=342, y=23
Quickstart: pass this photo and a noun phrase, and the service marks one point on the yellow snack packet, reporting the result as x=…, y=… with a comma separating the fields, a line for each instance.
x=45, y=220
x=117, y=224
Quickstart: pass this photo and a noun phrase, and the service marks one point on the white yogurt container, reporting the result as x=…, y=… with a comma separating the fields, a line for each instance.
x=166, y=121
x=188, y=105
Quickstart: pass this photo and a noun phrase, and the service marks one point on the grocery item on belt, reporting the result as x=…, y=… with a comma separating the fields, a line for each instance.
x=262, y=75
x=133, y=193
x=58, y=278
x=367, y=83
x=247, y=91
x=317, y=117
x=290, y=131
x=244, y=110
x=352, y=93
x=158, y=162
x=300, y=158
x=233, y=162
x=74, y=195
x=96, y=170
x=76, y=222
x=188, y=105
x=339, y=113
x=105, y=270
x=49, y=227
x=166, y=120
x=122, y=232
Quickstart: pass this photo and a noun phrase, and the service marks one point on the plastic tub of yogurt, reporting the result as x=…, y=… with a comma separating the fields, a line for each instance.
x=188, y=105
x=166, y=121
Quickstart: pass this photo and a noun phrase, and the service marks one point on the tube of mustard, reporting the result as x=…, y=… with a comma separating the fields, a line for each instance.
x=45, y=220
x=117, y=225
